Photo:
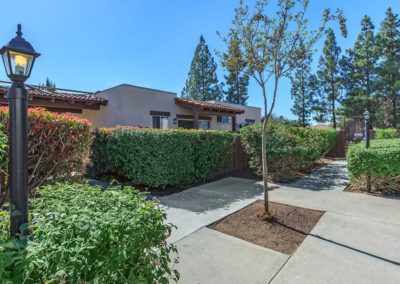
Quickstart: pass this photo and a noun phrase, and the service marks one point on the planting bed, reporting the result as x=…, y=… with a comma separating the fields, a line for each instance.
x=284, y=233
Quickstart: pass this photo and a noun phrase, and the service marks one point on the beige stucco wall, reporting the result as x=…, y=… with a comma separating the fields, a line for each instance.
x=131, y=105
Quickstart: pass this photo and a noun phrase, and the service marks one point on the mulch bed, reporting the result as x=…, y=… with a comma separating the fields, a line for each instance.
x=284, y=232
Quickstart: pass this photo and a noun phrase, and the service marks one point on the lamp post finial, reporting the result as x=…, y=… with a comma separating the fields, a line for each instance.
x=19, y=32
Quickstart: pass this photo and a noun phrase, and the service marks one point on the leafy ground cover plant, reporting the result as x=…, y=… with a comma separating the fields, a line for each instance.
x=81, y=234
x=290, y=149
x=158, y=158
x=58, y=149
x=381, y=162
x=387, y=133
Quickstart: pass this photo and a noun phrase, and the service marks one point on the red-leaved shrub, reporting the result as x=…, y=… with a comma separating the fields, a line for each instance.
x=59, y=146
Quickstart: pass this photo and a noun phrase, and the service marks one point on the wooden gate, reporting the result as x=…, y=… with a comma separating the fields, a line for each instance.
x=237, y=161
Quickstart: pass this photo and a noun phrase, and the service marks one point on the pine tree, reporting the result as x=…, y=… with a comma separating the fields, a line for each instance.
x=237, y=80
x=202, y=83
x=302, y=92
x=49, y=85
x=360, y=73
x=389, y=67
x=329, y=76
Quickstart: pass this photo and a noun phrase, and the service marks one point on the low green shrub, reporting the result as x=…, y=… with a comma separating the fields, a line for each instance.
x=289, y=149
x=59, y=146
x=158, y=158
x=387, y=133
x=381, y=162
x=81, y=234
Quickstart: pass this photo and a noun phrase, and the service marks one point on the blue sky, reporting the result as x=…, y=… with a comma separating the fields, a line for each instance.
x=96, y=44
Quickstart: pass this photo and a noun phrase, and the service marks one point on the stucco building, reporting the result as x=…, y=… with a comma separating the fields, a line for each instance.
x=128, y=105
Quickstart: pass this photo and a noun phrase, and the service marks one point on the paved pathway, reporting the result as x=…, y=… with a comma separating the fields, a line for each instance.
x=356, y=241
x=192, y=209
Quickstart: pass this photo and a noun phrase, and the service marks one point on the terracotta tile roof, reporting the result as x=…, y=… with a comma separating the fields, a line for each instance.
x=82, y=97
x=207, y=106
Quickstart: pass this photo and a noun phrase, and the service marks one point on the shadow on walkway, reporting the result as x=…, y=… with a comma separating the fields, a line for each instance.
x=331, y=177
x=339, y=244
x=216, y=195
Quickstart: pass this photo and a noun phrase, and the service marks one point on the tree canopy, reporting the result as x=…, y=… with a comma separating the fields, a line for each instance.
x=202, y=82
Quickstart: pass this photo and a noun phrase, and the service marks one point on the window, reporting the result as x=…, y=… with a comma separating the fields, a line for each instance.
x=188, y=124
x=223, y=119
x=160, y=122
x=204, y=124
x=249, y=121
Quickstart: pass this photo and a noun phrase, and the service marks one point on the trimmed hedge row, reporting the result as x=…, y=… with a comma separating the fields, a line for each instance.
x=381, y=161
x=81, y=234
x=387, y=133
x=158, y=158
x=289, y=149
x=59, y=146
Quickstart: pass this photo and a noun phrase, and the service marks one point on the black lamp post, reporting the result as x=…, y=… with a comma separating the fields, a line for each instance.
x=367, y=142
x=18, y=58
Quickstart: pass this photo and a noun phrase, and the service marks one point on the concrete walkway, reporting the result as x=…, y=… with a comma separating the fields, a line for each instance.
x=356, y=241
x=197, y=207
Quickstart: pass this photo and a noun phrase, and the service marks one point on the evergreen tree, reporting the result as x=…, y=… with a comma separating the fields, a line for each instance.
x=329, y=77
x=302, y=92
x=360, y=73
x=202, y=83
x=237, y=80
x=49, y=85
x=389, y=68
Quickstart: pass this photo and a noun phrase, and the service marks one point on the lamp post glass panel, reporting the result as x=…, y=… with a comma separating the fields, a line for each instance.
x=18, y=58
x=367, y=118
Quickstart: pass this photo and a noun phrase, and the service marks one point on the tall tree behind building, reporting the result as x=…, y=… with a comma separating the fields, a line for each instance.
x=360, y=73
x=202, y=83
x=49, y=85
x=329, y=76
x=302, y=92
x=237, y=80
x=389, y=68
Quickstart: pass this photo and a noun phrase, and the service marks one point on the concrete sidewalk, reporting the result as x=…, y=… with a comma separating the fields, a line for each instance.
x=208, y=256
x=356, y=241
x=197, y=207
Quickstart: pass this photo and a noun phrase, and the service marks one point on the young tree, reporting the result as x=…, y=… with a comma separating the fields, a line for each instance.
x=328, y=75
x=360, y=73
x=302, y=92
x=237, y=80
x=272, y=47
x=389, y=68
x=202, y=83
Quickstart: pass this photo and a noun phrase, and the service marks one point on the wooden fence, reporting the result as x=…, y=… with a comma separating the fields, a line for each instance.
x=237, y=161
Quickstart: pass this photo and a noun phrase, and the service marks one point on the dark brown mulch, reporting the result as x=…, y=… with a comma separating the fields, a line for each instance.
x=360, y=188
x=284, y=233
x=167, y=190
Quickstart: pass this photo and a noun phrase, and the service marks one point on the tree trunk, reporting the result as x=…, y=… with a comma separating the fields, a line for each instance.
x=265, y=164
x=394, y=105
x=333, y=103
x=264, y=136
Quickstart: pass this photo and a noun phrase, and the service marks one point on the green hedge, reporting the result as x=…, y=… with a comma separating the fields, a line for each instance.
x=381, y=161
x=289, y=149
x=158, y=158
x=387, y=133
x=81, y=234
